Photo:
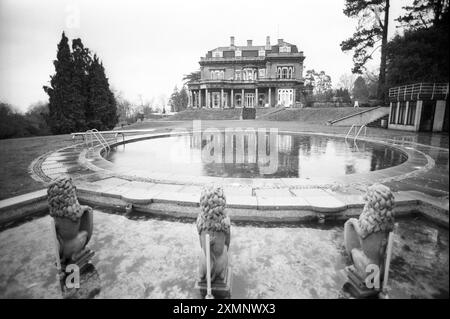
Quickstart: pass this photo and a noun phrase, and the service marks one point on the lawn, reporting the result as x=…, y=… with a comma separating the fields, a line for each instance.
x=16, y=155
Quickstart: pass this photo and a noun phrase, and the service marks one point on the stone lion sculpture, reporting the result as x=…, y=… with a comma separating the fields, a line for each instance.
x=366, y=238
x=214, y=221
x=73, y=222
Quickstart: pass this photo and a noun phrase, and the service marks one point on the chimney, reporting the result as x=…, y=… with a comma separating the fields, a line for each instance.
x=231, y=41
x=280, y=41
x=267, y=43
x=249, y=43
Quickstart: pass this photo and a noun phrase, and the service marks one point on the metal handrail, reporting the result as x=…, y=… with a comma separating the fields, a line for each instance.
x=100, y=137
x=359, y=131
x=90, y=134
x=419, y=88
x=348, y=133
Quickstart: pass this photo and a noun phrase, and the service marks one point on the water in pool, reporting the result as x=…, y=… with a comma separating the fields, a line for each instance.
x=283, y=155
x=150, y=258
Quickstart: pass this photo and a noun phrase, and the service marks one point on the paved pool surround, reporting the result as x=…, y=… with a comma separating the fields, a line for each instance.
x=101, y=184
x=141, y=257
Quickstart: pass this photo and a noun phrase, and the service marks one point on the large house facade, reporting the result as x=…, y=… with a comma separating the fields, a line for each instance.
x=249, y=76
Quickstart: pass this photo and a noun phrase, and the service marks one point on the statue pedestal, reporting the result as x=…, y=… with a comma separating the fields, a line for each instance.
x=219, y=288
x=356, y=285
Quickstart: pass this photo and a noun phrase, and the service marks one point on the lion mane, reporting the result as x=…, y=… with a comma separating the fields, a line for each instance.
x=377, y=214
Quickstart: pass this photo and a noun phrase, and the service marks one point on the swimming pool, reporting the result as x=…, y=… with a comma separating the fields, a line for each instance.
x=255, y=155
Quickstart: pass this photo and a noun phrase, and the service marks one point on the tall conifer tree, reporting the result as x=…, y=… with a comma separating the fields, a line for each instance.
x=60, y=90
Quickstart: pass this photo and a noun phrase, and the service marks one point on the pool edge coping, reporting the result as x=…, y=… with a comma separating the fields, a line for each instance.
x=407, y=203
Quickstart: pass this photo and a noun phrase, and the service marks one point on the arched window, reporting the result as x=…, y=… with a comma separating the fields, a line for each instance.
x=284, y=73
x=289, y=73
x=279, y=73
x=249, y=75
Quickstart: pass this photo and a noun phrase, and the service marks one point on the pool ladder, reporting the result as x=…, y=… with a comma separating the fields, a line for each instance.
x=94, y=133
x=356, y=131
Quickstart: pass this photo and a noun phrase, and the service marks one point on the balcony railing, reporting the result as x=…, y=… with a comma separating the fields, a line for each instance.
x=419, y=91
x=233, y=81
x=250, y=58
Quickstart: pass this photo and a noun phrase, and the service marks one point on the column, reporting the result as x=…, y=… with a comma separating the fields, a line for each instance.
x=293, y=97
x=199, y=98
x=232, y=98
x=195, y=99
x=256, y=98
x=242, y=99
x=190, y=99
x=221, y=98
x=206, y=98
x=270, y=97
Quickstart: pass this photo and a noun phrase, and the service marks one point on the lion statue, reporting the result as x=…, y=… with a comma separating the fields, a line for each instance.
x=214, y=221
x=73, y=222
x=366, y=238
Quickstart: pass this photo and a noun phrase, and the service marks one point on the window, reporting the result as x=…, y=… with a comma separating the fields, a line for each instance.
x=238, y=53
x=217, y=54
x=249, y=74
x=216, y=99
x=217, y=74
x=285, y=72
x=286, y=97
x=262, y=73
x=262, y=52
x=238, y=98
x=401, y=113
x=238, y=74
x=285, y=49
x=411, y=115
x=393, y=112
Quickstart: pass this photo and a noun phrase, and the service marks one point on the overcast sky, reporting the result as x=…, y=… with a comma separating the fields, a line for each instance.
x=147, y=46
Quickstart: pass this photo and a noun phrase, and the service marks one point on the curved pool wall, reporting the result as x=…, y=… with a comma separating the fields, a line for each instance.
x=141, y=257
x=241, y=155
x=416, y=162
x=248, y=199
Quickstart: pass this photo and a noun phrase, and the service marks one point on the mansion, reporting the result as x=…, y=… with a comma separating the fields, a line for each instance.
x=249, y=76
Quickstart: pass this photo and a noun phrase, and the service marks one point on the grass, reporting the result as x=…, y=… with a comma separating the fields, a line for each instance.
x=213, y=114
x=16, y=156
x=313, y=115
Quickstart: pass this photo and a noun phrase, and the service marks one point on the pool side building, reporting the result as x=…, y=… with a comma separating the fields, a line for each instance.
x=249, y=76
x=419, y=107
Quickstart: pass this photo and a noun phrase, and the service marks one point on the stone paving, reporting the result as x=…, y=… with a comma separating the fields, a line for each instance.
x=424, y=174
x=150, y=258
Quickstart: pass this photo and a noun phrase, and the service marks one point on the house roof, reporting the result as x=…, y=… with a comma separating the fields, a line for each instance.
x=273, y=48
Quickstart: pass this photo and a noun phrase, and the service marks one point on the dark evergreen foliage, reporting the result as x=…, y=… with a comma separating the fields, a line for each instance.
x=422, y=53
x=79, y=93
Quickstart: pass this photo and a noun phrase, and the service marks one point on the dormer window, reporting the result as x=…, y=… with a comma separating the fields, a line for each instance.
x=262, y=52
x=217, y=54
x=238, y=53
x=285, y=48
